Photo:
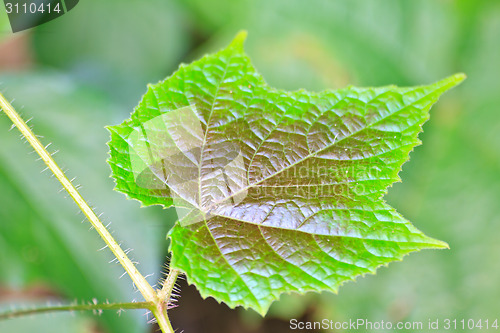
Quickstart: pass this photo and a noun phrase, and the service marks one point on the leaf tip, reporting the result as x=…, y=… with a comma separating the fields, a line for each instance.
x=438, y=245
x=451, y=81
x=239, y=40
x=458, y=78
x=442, y=245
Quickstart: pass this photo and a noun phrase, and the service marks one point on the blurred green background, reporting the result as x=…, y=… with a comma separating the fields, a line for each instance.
x=89, y=68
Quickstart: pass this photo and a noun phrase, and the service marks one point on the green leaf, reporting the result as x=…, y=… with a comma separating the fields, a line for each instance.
x=276, y=191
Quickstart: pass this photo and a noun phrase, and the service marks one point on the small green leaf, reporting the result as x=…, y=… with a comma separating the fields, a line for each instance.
x=276, y=191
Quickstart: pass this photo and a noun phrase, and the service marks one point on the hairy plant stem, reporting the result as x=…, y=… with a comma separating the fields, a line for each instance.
x=75, y=307
x=164, y=296
x=158, y=300
x=168, y=285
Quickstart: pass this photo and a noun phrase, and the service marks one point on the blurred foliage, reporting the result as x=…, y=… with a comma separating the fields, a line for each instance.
x=116, y=46
x=105, y=52
x=5, y=31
